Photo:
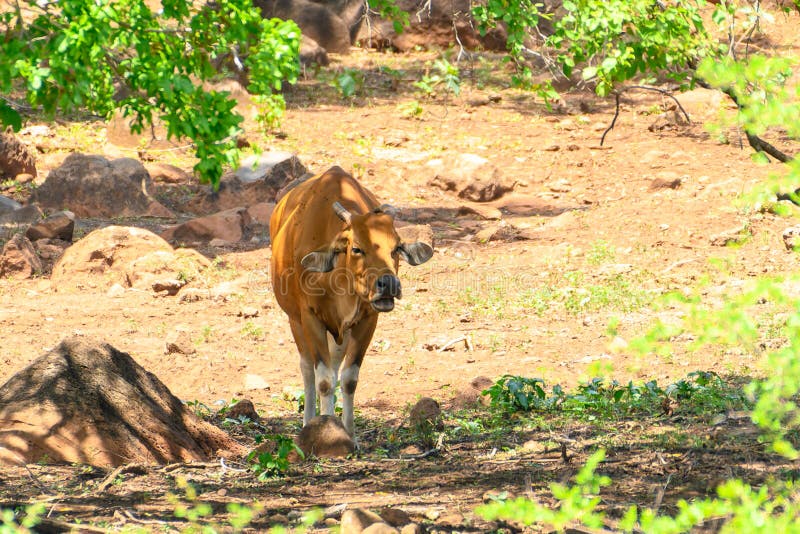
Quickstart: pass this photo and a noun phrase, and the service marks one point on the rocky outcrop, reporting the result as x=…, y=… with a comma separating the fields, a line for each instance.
x=87, y=402
x=92, y=186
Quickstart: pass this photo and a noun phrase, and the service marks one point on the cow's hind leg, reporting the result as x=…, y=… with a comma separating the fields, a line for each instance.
x=307, y=370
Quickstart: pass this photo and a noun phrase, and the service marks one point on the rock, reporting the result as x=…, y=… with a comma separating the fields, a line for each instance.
x=49, y=251
x=452, y=520
x=131, y=257
x=380, y=528
x=168, y=287
x=433, y=24
x=167, y=174
x=668, y=121
x=426, y=413
x=666, y=180
x=311, y=53
x=86, y=402
x=116, y=291
x=24, y=215
x=791, y=237
x=325, y=437
x=254, y=382
x=56, y=226
x=228, y=226
x=248, y=312
x=92, y=186
x=272, y=172
x=412, y=528
x=471, y=177
x=7, y=205
x=395, y=516
x=15, y=158
x=179, y=342
x=472, y=394
x=260, y=213
x=355, y=520
x=416, y=232
x=484, y=212
x=19, y=259
x=243, y=408
x=316, y=20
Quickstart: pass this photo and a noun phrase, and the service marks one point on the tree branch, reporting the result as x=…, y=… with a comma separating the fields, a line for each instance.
x=617, y=94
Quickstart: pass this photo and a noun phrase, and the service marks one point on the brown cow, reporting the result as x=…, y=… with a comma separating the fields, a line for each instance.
x=335, y=255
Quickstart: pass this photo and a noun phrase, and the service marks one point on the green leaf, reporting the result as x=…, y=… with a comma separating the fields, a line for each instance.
x=9, y=116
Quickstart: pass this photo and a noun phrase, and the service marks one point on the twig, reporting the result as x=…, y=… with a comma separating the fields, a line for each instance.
x=39, y=485
x=643, y=88
x=128, y=468
x=660, y=494
x=459, y=339
x=129, y=515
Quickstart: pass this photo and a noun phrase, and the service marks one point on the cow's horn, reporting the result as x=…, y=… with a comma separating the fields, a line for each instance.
x=342, y=213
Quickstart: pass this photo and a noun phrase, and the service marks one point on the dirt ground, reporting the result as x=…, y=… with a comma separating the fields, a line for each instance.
x=653, y=210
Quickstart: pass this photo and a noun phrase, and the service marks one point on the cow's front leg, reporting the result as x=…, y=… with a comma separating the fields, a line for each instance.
x=360, y=338
x=349, y=383
x=326, y=387
x=306, y=370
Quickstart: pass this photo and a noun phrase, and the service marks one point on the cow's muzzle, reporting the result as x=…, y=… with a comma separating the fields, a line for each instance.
x=387, y=288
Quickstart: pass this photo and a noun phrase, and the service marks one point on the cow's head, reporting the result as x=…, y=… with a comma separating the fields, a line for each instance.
x=368, y=250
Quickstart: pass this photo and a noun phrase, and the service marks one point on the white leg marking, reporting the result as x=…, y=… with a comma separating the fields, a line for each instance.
x=349, y=382
x=326, y=386
x=309, y=388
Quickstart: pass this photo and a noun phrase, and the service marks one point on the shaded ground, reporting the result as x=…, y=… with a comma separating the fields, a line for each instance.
x=587, y=237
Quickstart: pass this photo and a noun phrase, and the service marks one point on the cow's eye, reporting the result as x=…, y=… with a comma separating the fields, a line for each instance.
x=357, y=251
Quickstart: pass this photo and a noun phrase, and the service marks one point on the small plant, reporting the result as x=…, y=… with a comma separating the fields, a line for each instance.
x=411, y=110
x=267, y=464
x=19, y=522
x=252, y=331
x=349, y=83
x=576, y=503
x=513, y=393
x=445, y=75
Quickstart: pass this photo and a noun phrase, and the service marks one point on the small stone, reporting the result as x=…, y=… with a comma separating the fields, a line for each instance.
x=278, y=519
x=395, y=516
x=552, y=148
x=24, y=215
x=484, y=212
x=356, y=520
x=180, y=342
x=426, y=412
x=24, y=178
x=57, y=226
x=330, y=522
x=18, y=259
x=432, y=514
x=791, y=237
x=411, y=528
x=325, y=437
x=243, y=408
x=380, y=528
x=253, y=382
x=219, y=243
x=453, y=520
x=169, y=287
x=248, y=312
x=115, y=291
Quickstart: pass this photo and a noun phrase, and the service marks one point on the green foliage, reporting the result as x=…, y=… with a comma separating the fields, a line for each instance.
x=615, y=40
x=576, y=503
x=701, y=392
x=103, y=56
x=20, y=522
x=444, y=74
x=349, y=83
x=744, y=508
x=389, y=10
x=758, y=83
x=267, y=464
x=519, y=18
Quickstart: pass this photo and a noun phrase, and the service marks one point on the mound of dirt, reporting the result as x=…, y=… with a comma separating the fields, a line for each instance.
x=85, y=401
x=131, y=257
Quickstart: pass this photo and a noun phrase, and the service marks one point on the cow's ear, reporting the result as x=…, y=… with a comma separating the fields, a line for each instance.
x=319, y=261
x=415, y=253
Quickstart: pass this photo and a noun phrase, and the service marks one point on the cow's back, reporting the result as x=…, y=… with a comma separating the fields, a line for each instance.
x=304, y=221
